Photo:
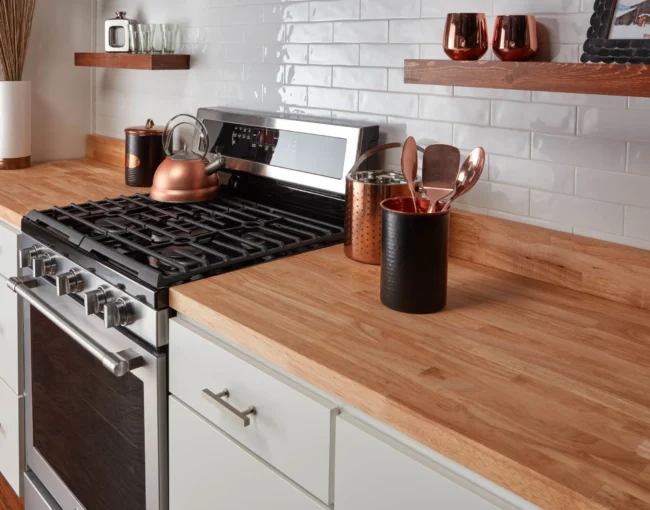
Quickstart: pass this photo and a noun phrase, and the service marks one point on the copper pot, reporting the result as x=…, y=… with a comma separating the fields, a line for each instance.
x=466, y=36
x=184, y=175
x=365, y=192
x=515, y=38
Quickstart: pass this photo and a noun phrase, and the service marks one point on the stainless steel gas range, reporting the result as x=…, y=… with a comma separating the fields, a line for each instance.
x=94, y=287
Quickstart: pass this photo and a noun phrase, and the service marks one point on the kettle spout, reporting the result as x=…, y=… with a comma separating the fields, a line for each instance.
x=216, y=165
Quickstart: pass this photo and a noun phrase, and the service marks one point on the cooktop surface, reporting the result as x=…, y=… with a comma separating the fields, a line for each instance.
x=163, y=244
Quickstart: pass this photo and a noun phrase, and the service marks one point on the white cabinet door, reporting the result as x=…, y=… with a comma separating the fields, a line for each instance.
x=292, y=429
x=8, y=250
x=10, y=351
x=209, y=471
x=371, y=473
x=11, y=444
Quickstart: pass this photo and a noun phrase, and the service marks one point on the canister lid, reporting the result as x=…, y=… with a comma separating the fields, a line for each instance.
x=149, y=129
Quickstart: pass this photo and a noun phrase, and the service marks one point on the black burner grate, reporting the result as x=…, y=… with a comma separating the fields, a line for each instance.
x=164, y=244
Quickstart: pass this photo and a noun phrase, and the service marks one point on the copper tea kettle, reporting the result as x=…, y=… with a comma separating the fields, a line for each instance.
x=184, y=175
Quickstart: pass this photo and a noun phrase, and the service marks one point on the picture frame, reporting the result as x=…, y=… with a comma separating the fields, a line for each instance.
x=619, y=33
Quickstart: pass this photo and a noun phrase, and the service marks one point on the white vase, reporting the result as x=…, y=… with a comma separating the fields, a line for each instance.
x=15, y=124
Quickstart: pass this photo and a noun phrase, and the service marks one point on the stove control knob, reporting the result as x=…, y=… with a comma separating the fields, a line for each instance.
x=118, y=313
x=69, y=283
x=95, y=300
x=43, y=265
x=26, y=255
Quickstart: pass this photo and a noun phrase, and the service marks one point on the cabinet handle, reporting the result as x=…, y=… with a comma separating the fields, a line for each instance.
x=218, y=398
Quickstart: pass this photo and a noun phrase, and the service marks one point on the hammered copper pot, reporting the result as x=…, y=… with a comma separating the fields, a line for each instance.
x=515, y=38
x=365, y=191
x=466, y=36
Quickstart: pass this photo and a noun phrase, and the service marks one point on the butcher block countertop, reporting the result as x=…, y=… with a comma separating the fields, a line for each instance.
x=543, y=390
x=58, y=183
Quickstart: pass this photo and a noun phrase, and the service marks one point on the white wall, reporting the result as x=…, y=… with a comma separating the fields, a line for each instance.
x=61, y=92
x=569, y=162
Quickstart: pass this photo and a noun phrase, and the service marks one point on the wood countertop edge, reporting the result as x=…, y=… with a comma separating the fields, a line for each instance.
x=494, y=466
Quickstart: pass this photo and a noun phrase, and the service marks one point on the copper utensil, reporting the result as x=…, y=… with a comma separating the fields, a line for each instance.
x=440, y=172
x=468, y=176
x=466, y=36
x=184, y=176
x=410, y=165
x=515, y=38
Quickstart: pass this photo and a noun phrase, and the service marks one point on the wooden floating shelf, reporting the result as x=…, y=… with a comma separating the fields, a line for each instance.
x=133, y=61
x=605, y=79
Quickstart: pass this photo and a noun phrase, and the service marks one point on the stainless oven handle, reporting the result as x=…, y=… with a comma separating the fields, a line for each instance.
x=118, y=363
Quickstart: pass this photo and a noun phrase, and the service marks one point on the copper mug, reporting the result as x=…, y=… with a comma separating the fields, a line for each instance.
x=515, y=38
x=466, y=36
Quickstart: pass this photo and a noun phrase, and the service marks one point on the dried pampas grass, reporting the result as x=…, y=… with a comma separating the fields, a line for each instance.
x=15, y=27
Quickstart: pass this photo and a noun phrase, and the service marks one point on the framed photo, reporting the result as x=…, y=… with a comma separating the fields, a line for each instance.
x=619, y=33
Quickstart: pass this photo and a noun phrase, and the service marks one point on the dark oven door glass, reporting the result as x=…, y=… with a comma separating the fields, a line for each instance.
x=88, y=425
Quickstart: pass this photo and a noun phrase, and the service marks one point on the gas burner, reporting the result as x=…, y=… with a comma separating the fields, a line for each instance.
x=114, y=224
x=181, y=252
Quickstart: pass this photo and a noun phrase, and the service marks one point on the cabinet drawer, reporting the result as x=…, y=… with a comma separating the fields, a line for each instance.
x=374, y=471
x=10, y=350
x=291, y=430
x=8, y=250
x=208, y=470
x=11, y=439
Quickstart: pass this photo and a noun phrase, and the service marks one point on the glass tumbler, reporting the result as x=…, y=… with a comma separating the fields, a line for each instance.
x=466, y=36
x=170, y=33
x=515, y=38
x=156, y=39
x=144, y=32
x=134, y=39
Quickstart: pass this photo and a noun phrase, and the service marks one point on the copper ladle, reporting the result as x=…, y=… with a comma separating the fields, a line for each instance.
x=468, y=176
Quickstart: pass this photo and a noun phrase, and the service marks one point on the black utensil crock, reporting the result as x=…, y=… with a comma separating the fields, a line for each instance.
x=414, y=264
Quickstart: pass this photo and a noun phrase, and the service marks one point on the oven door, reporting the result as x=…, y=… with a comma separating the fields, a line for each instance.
x=96, y=407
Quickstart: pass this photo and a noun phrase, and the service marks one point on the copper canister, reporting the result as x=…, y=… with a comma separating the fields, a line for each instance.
x=144, y=153
x=365, y=191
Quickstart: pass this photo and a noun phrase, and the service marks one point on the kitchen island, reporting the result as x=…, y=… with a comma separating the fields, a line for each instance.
x=538, y=388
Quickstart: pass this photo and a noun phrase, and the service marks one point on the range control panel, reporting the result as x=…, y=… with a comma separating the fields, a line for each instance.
x=249, y=143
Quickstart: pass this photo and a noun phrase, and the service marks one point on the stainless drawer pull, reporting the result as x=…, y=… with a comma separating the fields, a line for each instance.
x=118, y=363
x=218, y=398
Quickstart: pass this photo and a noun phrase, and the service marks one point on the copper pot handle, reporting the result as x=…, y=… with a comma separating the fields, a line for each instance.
x=167, y=133
x=374, y=151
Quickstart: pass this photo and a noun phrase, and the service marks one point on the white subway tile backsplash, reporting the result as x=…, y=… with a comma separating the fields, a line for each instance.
x=452, y=109
x=333, y=10
x=532, y=174
x=333, y=98
x=361, y=31
x=387, y=55
x=638, y=159
x=439, y=9
x=368, y=78
x=637, y=222
x=334, y=54
x=570, y=162
x=631, y=125
x=390, y=9
x=388, y=103
x=620, y=188
x=580, y=212
x=542, y=118
x=494, y=140
x=572, y=150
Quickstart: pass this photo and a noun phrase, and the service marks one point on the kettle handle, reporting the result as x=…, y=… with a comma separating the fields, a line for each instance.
x=168, y=134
